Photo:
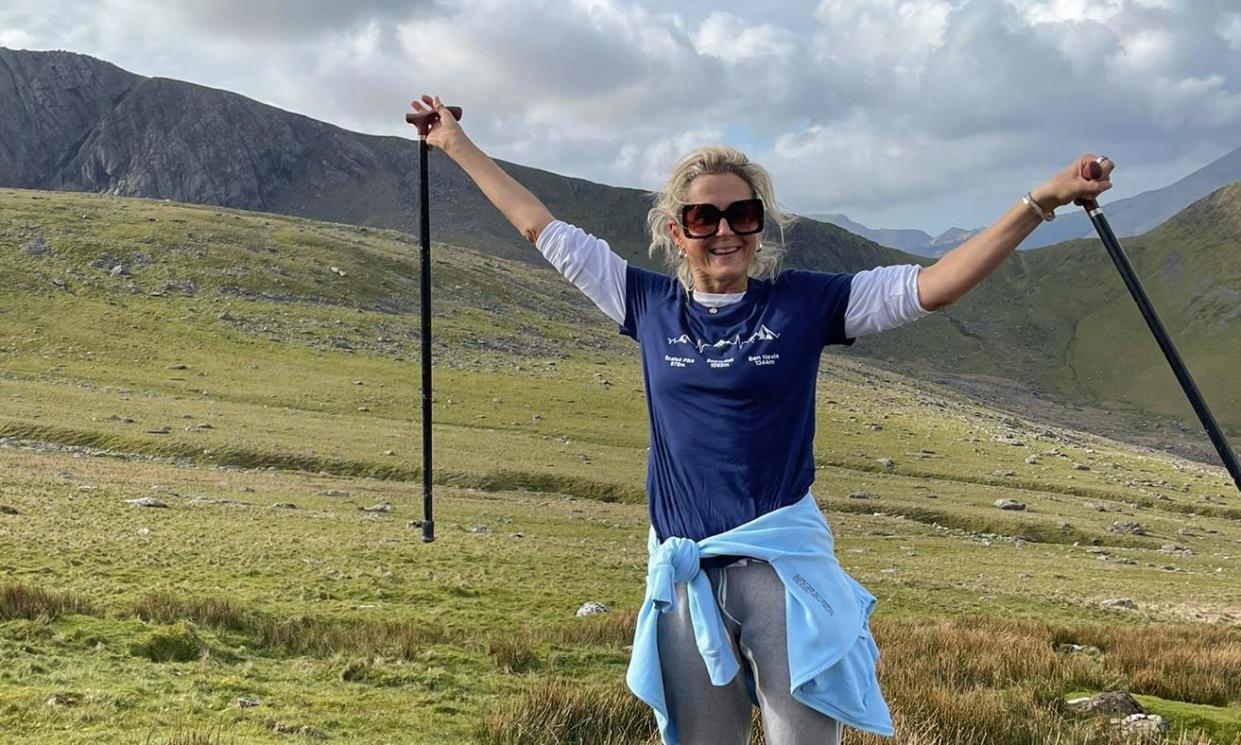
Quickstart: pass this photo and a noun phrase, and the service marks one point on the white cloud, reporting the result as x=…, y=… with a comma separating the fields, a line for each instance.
x=734, y=40
x=1061, y=11
x=651, y=163
x=16, y=38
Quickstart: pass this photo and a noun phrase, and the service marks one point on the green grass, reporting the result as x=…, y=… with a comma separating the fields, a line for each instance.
x=149, y=625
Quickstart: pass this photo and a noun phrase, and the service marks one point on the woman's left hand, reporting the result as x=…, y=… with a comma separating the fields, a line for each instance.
x=1069, y=184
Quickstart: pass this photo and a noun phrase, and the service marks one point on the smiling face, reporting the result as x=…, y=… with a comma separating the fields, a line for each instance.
x=719, y=263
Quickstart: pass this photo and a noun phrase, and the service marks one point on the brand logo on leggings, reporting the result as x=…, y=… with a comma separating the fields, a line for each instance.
x=809, y=588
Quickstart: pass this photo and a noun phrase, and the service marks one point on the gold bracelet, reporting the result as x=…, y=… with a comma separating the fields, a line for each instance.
x=1044, y=215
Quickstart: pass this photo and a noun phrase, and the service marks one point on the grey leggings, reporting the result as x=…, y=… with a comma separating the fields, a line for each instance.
x=751, y=600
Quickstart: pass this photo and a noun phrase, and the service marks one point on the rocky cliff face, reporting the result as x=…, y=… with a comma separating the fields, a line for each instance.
x=74, y=123
x=49, y=103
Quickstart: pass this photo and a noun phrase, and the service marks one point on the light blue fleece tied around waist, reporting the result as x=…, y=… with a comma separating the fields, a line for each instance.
x=831, y=653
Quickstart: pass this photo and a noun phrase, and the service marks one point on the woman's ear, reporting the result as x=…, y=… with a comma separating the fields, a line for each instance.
x=675, y=231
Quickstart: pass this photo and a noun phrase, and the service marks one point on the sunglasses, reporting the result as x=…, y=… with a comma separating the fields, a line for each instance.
x=703, y=220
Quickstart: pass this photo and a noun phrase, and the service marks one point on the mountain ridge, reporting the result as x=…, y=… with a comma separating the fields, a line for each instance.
x=167, y=139
x=911, y=240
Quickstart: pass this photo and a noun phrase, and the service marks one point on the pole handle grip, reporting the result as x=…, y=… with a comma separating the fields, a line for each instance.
x=1090, y=172
x=424, y=119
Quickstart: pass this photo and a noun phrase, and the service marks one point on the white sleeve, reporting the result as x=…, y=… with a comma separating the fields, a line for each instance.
x=882, y=299
x=589, y=263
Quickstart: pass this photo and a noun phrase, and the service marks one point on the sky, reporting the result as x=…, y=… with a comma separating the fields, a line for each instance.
x=898, y=113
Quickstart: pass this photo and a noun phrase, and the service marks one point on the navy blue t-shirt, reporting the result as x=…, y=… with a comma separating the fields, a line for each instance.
x=731, y=394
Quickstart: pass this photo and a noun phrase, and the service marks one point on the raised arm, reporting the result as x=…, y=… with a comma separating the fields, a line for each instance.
x=523, y=209
x=960, y=270
x=586, y=261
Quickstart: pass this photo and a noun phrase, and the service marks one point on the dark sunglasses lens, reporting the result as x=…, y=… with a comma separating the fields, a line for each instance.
x=701, y=220
x=745, y=217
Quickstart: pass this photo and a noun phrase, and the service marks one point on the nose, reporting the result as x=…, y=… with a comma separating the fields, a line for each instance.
x=724, y=228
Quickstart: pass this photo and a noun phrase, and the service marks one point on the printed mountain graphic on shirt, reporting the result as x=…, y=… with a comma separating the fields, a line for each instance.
x=763, y=334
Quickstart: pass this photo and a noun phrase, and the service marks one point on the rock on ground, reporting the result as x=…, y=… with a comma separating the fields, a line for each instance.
x=1128, y=526
x=146, y=502
x=592, y=608
x=1117, y=703
x=1151, y=727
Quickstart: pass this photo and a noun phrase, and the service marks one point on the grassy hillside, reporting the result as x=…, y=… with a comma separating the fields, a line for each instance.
x=1190, y=269
x=237, y=364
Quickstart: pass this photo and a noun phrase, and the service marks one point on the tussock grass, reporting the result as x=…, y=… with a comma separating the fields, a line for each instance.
x=969, y=682
x=298, y=635
x=19, y=600
x=1198, y=664
x=514, y=654
x=317, y=637
x=191, y=737
x=609, y=629
x=216, y=612
x=174, y=643
x=555, y=712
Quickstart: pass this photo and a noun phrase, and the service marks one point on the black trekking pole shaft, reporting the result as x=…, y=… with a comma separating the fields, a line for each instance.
x=1095, y=212
x=424, y=219
x=424, y=120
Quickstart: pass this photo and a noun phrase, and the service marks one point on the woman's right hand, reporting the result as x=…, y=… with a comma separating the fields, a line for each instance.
x=446, y=134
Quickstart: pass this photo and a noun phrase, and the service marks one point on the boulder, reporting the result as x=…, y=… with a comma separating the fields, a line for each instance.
x=1128, y=526
x=1149, y=727
x=592, y=608
x=1116, y=703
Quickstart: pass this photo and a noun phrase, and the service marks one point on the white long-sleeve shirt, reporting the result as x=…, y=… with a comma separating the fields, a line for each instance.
x=879, y=299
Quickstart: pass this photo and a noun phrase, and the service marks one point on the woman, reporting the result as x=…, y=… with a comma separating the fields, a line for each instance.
x=745, y=600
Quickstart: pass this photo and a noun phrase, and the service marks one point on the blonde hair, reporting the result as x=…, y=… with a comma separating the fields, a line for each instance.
x=716, y=159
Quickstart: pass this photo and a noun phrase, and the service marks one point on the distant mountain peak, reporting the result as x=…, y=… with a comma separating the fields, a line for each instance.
x=1142, y=212
x=906, y=239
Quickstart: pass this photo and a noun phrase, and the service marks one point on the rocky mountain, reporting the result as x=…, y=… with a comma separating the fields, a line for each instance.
x=74, y=123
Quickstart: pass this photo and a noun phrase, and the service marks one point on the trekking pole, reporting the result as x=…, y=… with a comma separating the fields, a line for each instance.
x=1091, y=172
x=423, y=121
